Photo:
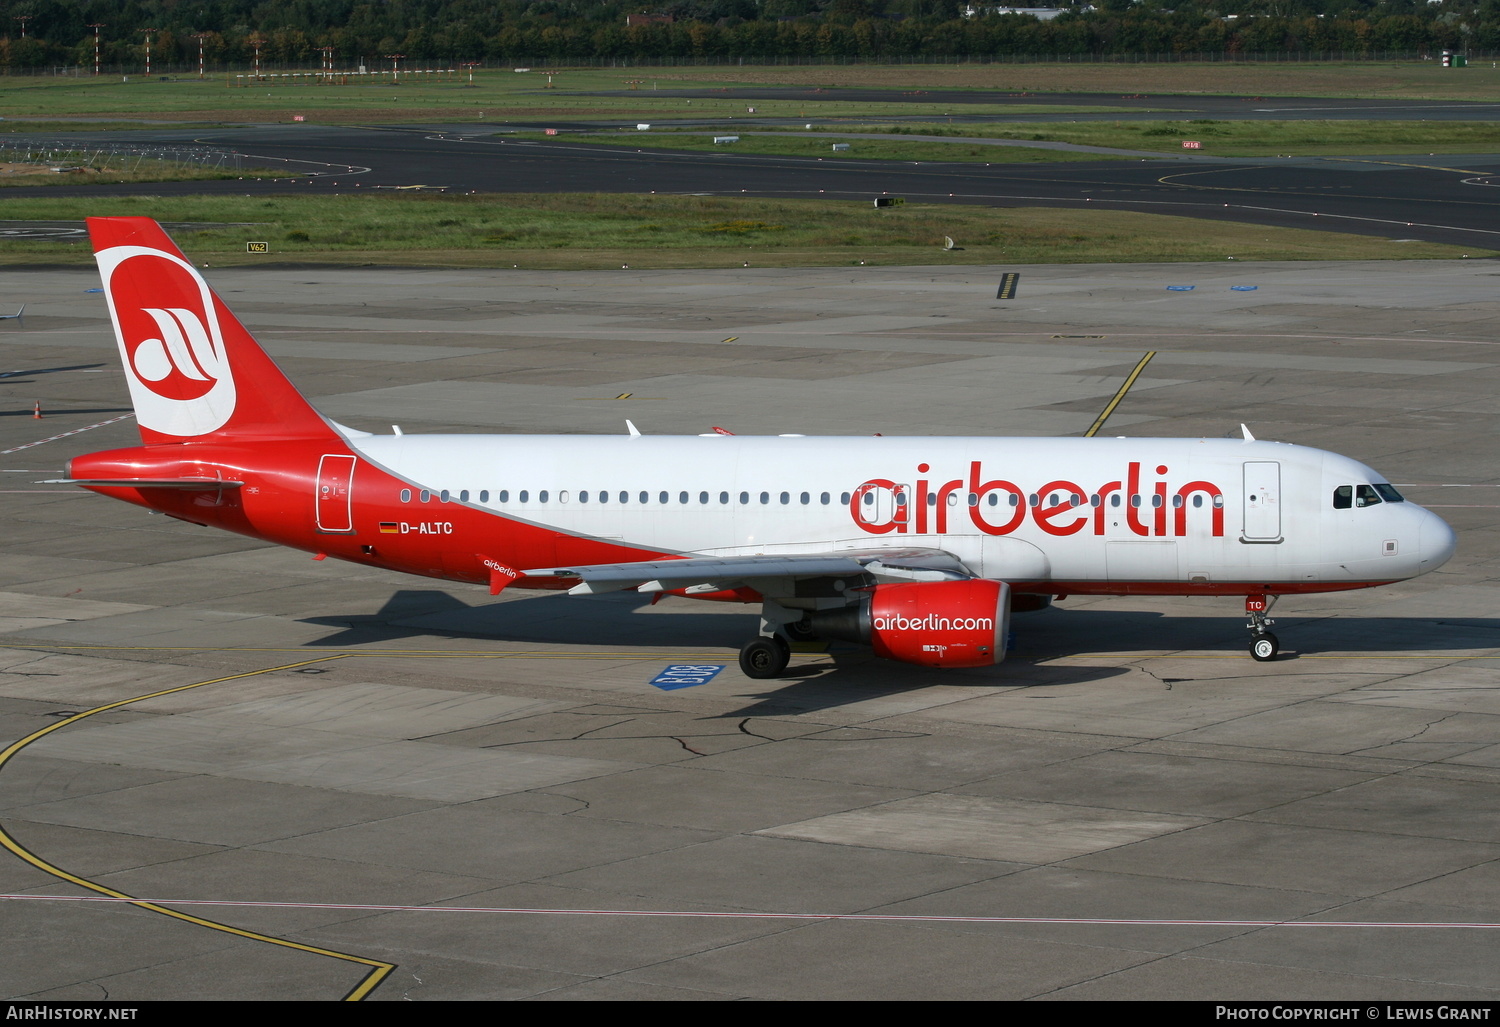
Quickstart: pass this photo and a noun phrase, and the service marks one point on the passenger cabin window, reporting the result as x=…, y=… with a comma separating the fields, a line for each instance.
x=406, y=495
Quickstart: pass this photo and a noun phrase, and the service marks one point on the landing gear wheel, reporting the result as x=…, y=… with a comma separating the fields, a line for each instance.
x=764, y=657
x=800, y=631
x=1264, y=646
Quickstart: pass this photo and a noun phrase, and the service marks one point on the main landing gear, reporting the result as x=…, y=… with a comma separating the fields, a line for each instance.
x=765, y=656
x=1263, y=645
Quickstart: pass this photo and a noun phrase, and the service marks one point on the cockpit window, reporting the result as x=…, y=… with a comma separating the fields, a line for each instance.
x=1343, y=497
x=1365, y=495
x=1388, y=492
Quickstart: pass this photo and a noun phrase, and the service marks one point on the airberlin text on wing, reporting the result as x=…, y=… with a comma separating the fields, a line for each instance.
x=1061, y=507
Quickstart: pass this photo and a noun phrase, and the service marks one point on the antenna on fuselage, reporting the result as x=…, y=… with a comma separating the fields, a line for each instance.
x=635, y=432
x=1246, y=432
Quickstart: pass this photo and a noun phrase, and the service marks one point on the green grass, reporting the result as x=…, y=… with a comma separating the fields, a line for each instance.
x=41, y=126
x=820, y=146
x=1219, y=138
x=1249, y=80
x=494, y=96
x=1246, y=138
x=146, y=172
x=503, y=95
x=603, y=231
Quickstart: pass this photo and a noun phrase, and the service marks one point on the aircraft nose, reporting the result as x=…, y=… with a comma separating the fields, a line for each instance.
x=1435, y=543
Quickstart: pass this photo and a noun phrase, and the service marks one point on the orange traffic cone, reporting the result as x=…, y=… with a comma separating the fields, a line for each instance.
x=36, y=411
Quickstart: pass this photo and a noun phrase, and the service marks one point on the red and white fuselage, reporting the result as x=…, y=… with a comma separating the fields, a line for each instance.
x=805, y=526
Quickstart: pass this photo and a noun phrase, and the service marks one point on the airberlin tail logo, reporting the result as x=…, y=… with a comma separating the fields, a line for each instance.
x=168, y=329
x=181, y=361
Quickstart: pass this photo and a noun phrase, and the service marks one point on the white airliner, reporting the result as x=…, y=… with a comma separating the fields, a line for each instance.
x=919, y=547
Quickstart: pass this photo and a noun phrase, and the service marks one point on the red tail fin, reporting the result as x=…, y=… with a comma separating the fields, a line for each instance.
x=194, y=371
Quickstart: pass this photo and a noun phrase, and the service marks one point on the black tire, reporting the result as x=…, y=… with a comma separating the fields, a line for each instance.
x=1264, y=647
x=764, y=657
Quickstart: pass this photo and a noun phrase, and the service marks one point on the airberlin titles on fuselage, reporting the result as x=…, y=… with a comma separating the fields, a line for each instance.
x=924, y=508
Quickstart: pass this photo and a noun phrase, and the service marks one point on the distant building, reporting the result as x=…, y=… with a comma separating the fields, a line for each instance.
x=1040, y=13
x=648, y=19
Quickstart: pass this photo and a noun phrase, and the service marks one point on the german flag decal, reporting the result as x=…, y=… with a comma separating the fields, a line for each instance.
x=389, y=528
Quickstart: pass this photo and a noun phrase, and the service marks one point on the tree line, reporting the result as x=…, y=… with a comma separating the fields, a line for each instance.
x=38, y=34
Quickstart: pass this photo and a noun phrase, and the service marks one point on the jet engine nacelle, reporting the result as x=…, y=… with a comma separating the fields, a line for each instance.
x=934, y=623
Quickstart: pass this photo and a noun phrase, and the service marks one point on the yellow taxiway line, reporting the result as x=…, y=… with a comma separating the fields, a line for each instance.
x=379, y=969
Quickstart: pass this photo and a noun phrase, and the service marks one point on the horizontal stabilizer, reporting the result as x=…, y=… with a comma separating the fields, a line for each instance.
x=192, y=484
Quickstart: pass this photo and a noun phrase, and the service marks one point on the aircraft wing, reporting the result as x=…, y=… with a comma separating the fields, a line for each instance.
x=777, y=574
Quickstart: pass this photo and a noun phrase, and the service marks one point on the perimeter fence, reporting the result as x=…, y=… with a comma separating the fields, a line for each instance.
x=542, y=61
x=65, y=156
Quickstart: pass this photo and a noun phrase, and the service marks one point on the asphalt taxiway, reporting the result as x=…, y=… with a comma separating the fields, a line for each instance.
x=351, y=782
x=1446, y=198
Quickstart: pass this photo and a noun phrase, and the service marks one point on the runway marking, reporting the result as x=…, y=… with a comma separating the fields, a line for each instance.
x=722, y=915
x=1407, y=164
x=1165, y=202
x=1393, y=107
x=349, y=170
x=1124, y=388
x=516, y=654
x=379, y=969
x=66, y=434
x=708, y=654
x=1376, y=221
x=1241, y=656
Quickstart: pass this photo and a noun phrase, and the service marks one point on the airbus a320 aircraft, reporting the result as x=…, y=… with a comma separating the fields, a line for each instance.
x=919, y=547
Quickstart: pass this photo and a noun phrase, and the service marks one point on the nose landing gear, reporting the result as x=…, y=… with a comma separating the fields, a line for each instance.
x=1263, y=644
